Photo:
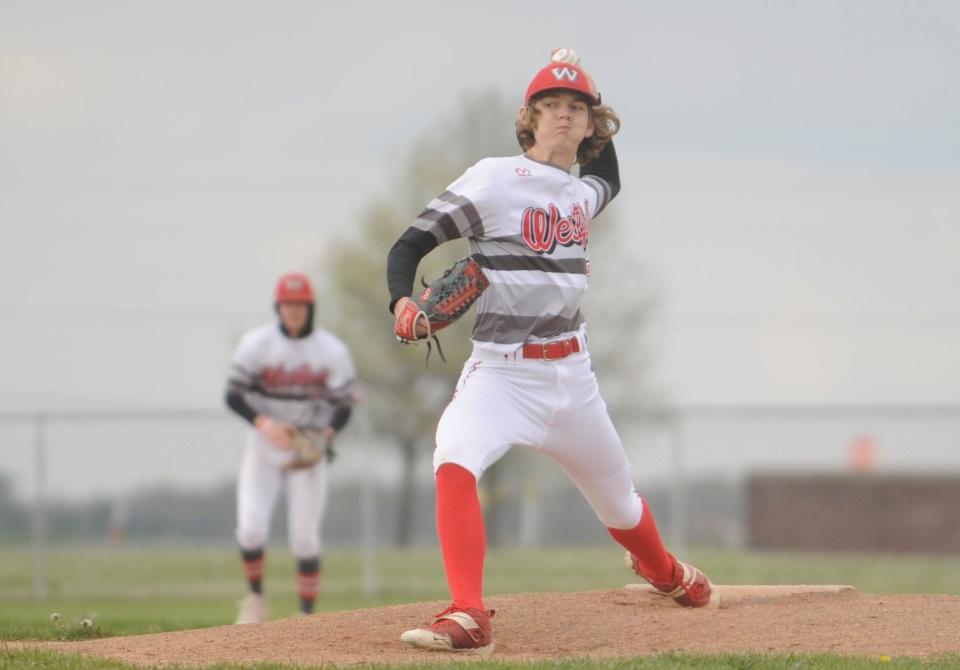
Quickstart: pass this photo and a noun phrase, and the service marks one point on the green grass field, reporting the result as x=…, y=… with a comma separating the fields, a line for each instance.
x=130, y=590
x=49, y=661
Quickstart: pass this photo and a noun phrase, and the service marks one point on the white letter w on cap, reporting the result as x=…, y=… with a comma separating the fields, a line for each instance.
x=561, y=73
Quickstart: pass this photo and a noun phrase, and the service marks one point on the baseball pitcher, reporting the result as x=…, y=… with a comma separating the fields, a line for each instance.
x=529, y=380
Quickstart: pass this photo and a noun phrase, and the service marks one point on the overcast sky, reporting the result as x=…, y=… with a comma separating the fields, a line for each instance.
x=791, y=177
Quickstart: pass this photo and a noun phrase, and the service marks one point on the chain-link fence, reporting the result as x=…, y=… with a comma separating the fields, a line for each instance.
x=878, y=478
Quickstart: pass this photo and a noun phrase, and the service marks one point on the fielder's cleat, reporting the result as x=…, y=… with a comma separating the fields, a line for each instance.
x=458, y=630
x=688, y=588
x=253, y=609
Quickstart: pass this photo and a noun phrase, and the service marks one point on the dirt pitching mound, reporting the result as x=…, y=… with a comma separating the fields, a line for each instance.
x=597, y=624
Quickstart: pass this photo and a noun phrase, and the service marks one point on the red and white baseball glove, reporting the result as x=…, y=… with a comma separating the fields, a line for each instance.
x=441, y=303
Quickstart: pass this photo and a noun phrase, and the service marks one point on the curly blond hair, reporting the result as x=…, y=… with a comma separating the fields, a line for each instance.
x=606, y=124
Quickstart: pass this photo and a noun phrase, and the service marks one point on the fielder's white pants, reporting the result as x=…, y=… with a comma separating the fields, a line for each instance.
x=553, y=406
x=262, y=474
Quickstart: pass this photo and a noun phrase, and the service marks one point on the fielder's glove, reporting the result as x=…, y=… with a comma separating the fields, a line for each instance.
x=309, y=446
x=441, y=303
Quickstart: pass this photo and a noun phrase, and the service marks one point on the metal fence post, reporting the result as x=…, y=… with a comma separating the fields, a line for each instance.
x=678, y=485
x=39, y=517
x=368, y=515
x=368, y=532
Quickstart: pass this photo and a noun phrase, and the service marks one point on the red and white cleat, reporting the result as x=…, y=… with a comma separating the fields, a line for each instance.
x=457, y=630
x=689, y=587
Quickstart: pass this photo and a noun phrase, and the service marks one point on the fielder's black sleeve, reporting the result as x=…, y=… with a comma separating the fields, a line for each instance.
x=403, y=260
x=238, y=404
x=604, y=171
x=341, y=416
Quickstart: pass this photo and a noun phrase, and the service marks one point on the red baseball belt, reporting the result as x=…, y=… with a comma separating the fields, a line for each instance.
x=551, y=351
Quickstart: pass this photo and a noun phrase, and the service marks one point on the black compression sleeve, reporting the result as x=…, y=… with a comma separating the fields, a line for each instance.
x=238, y=404
x=341, y=416
x=606, y=167
x=403, y=259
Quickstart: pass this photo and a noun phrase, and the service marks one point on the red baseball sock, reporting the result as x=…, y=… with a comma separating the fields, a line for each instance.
x=643, y=541
x=308, y=582
x=462, y=537
x=253, y=568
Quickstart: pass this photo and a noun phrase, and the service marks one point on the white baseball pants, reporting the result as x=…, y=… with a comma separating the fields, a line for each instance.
x=553, y=406
x=261, y=476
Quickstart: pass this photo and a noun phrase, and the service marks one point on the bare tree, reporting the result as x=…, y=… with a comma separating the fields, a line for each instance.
x=619, y=306
x=405, y=397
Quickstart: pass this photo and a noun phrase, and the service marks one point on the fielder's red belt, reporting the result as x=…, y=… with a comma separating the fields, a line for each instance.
x=551, y=351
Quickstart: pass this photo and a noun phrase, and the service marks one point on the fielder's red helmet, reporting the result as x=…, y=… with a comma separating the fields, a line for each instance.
x=565, y=76
x=294, y=287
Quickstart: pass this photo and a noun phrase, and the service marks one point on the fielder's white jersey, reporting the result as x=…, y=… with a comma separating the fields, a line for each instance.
x=528, y=223
x=296, y=381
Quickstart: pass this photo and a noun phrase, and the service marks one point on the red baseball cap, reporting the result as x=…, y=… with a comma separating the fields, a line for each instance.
x=563, y=76
x=294, y=287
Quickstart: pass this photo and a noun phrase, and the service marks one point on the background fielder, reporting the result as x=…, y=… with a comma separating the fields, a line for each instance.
x=287, y=376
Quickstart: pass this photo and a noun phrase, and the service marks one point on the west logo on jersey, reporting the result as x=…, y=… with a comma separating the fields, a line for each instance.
x=300, y=376
x=543, y=230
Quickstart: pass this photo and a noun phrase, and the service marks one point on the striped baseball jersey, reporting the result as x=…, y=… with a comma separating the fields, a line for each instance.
x=528, y=224
x=296, y=381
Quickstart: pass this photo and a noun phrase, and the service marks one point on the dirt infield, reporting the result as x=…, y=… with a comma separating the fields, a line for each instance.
x=597, y=624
